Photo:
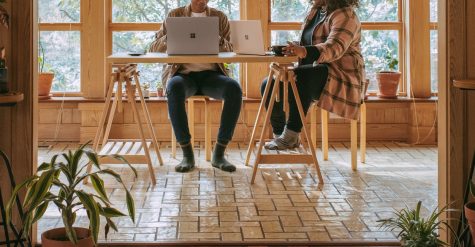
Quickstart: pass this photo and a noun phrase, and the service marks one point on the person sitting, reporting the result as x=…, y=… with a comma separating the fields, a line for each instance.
x=330, y=69
x=186, y=80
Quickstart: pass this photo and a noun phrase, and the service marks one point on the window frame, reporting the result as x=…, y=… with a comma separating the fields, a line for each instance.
x=69, y=27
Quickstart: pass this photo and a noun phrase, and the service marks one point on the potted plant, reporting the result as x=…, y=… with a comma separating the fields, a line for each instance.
x=45, y=79
x=146, y=90
x=4, y=21
x=415, y=230
x=3, y=72
x=468, y=213
x=4, y=17
x=160, y=90
x=388, y=80
x=58, y=183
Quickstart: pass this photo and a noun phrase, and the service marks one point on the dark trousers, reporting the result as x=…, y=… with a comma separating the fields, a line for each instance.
x=210, y=83
x=310, y=81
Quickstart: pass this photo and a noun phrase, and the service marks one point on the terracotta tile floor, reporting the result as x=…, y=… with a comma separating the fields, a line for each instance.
x=286, y=203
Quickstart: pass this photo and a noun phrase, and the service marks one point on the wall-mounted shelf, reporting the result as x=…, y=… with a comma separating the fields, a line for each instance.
x=465, y=84
x=11, y=98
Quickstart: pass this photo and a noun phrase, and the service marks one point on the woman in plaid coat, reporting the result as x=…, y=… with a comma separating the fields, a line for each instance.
x=330, y=70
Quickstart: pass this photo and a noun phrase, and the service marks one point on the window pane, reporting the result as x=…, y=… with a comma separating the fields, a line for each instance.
x=62, y=55
x=433, y=10
x=378, y=47
x=378, y=10
x=370, y=10
x=281, y=37
x=59, y=11
x=156, y=11
x=289, y=10
x=139, y=42
x=434, y=60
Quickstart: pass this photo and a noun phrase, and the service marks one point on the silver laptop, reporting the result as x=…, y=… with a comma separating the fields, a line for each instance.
x=192, y=35
x=246, y=37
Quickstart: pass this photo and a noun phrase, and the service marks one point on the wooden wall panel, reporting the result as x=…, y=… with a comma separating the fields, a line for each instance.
x=386, y=121
x=18, y=135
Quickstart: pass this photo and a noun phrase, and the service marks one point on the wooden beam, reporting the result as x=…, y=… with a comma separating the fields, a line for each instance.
x=93, y=48
x=418, y=47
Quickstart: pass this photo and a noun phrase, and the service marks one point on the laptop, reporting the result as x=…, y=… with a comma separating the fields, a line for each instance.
x=192, y=35
x=246, y=37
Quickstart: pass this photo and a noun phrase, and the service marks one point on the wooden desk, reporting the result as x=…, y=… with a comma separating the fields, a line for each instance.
x=223, y=57
x=281, y=68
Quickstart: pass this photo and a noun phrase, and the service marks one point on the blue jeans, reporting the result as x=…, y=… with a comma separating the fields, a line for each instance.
x=210, y=83
x=310, y=82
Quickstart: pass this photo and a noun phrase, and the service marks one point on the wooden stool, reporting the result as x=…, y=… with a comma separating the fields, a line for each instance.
x=132, y=150
x=283, y=74
x=191, y=125
x=354, y=134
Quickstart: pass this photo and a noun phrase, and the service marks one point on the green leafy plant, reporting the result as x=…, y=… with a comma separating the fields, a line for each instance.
x=41, y=57
x=391, y=61
x=415, y=230
x=59, y=183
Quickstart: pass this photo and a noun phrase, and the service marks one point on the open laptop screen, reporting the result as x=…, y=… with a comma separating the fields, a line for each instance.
x=192, y=35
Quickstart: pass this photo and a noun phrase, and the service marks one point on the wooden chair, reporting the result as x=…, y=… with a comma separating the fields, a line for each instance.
x=191, y=125
x=354, y=134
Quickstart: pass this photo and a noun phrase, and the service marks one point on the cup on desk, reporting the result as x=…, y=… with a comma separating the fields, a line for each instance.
x=277, y=49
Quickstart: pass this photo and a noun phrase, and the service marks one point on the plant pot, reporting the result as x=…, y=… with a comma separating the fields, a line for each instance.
x=57, y=238
x=45, y=80
x=146, y=93
x=388, y=82
x=160, y=92
x=4, y=80
x=469, y=210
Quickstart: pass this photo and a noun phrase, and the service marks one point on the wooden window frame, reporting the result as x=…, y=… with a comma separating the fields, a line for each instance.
x=68, y=27
x=102, y=17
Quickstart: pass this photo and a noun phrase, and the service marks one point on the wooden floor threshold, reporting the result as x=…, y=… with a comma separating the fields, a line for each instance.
x=260, y=244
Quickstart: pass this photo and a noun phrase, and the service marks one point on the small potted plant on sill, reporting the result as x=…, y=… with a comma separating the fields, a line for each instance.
x=160, y=90
x=388, y=79
x=417, y=231
x=146, y=90
x=4, y=21
x=3, y=72
x=59, y=183
x=45, y=79
x=469, y=207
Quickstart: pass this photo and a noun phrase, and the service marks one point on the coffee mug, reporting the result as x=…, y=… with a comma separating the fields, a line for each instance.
x=277, y=49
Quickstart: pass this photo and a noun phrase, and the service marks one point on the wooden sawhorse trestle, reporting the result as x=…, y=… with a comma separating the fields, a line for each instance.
x=133, y=151
x=283, y=73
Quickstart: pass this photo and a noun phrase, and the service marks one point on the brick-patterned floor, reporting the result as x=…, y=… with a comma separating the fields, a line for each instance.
x=285, y=204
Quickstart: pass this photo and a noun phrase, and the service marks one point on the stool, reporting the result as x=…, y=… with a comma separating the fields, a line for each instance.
x=191, y=125
x=133, y=151
x=283, y=74
x=354, y=134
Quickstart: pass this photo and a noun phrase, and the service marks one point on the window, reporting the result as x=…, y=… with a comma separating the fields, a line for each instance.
x=381, y=22
x=136, y=22
x=60, y=43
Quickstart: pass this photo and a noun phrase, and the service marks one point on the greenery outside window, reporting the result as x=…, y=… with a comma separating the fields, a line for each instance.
x=60, y=42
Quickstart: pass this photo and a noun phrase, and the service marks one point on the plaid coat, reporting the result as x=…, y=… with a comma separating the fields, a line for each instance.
x=338, y=39
x=160, y=42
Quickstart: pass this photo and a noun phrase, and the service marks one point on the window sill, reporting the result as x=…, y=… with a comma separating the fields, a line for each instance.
x=370, y=100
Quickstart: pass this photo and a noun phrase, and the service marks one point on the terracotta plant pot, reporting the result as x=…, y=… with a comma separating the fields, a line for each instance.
x=160, y=92
x=57, y=238
x=45, y=80
x=388, y=82
x=469, y=210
